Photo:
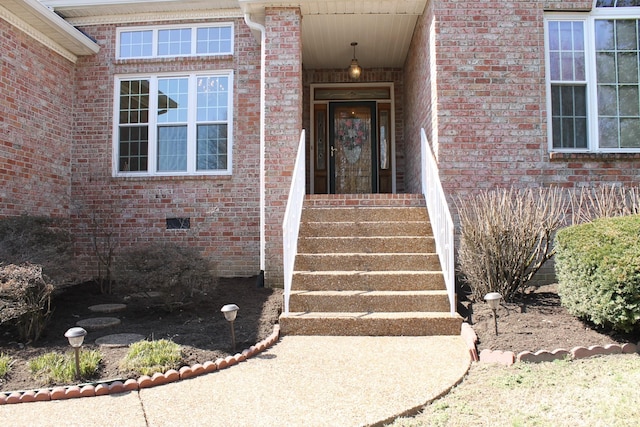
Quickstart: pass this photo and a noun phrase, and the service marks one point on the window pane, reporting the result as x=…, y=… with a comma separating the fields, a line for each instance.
x=607, y=100
x=606, y=67
x=566, y=50
x=172, y=148
x=608, y=132
x=627, y=34
x=212, y=147
x=604, y=34
x=134, y=101
x=136, y=44
x=213, y=40
x=630, y=133
x=133, y=149
x=629, y=102
x=175, y=41
x=173, y=100
x=569, y=121
x=628, y=67
x=212, y=99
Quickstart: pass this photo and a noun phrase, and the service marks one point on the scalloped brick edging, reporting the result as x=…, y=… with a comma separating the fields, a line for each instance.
x=145, y=381
x=509, y=358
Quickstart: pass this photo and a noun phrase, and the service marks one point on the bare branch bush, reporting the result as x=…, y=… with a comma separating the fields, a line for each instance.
x=176, y=273
x=40, y=241
x=507, y=236
x=604, y=201
x=25, y=299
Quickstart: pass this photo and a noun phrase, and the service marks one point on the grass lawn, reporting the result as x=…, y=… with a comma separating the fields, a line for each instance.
x=601, y=391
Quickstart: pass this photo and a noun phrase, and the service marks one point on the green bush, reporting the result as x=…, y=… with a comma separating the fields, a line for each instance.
x=598, y=270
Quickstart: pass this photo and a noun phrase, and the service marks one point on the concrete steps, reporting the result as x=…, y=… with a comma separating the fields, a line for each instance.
x=366, y=265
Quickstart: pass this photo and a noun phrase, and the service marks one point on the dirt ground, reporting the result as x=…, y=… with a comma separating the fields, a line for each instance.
x=538, y=322
x=200, y=328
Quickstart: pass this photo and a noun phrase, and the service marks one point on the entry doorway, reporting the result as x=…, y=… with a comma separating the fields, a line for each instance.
x=352, y=148
x=351, y=140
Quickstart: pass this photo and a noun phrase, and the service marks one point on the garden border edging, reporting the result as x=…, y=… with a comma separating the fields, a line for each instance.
x=509, y=358
x=145, y=381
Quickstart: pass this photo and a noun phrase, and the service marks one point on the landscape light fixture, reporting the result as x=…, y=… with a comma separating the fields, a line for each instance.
x=76, y=338
x=493, y=299
x=354, y=69
x=230, y=311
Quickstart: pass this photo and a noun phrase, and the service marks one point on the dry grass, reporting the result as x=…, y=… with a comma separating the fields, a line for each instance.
x=600, y=391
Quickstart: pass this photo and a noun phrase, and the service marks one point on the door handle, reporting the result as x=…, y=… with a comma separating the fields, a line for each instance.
x=333, y=150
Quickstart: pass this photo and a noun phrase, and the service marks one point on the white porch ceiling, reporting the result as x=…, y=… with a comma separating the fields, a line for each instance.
x=382, y=28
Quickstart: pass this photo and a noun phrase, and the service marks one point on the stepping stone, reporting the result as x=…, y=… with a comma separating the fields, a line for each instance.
x=107, y=308
x=150, y=294
x=119, y=340
x=96, y=323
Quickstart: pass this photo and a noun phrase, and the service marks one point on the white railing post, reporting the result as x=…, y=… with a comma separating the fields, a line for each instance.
x=440, y=217
x=291, y=221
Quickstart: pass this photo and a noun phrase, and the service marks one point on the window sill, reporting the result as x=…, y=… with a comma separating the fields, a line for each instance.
x=560, y=156
x=172, y=178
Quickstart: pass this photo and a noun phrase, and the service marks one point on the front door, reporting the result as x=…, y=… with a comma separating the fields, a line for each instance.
x=352, y=148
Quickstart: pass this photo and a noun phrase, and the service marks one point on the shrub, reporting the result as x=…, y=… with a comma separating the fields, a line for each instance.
x=177, y=273
x=598, y=270
x=506, y=236
x=25, y=299
x=55, y=368
x=149, y=357
x=39, y=241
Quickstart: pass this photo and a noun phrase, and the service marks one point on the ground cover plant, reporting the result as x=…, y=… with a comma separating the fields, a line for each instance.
x=149, y=357
x=56, y=368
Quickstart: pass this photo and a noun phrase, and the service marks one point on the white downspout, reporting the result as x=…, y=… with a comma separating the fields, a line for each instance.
x=259, y=27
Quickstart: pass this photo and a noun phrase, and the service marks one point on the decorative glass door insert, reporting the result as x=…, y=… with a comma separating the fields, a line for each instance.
x=352, y=158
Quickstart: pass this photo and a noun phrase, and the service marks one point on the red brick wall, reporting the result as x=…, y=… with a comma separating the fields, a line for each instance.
x=36, y=98
x=487, y=119
x=283, y=118
x=370, y=75
x=491, y=101
x=224, y=210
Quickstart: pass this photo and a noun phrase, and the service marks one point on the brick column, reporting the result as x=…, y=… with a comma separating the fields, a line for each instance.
x=283, y=124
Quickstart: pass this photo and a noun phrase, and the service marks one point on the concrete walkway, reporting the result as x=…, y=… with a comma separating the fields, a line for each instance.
x=300, y=381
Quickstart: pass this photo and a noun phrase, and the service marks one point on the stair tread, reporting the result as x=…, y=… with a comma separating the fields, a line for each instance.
x=347, y=293
x=385, y=254
x=372, y=315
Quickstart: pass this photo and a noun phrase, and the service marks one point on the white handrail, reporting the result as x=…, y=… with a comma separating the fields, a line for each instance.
x=440, y=217
x=291, y=221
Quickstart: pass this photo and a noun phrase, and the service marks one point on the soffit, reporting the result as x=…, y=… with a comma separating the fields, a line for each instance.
x=48, y=24
x=382, y=28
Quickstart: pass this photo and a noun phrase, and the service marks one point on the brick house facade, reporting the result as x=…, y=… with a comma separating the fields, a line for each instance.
x=473, y=75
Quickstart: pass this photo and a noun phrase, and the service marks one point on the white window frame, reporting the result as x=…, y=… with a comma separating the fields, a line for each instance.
x=152, y=166
x=589, y=19
x=154, y=39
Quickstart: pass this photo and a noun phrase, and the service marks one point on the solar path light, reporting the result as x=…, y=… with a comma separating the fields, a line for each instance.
x=76, y=337
x=493, y=299
x=230, y=311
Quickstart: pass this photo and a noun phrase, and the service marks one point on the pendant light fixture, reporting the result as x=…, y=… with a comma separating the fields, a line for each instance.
x=354, y=69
